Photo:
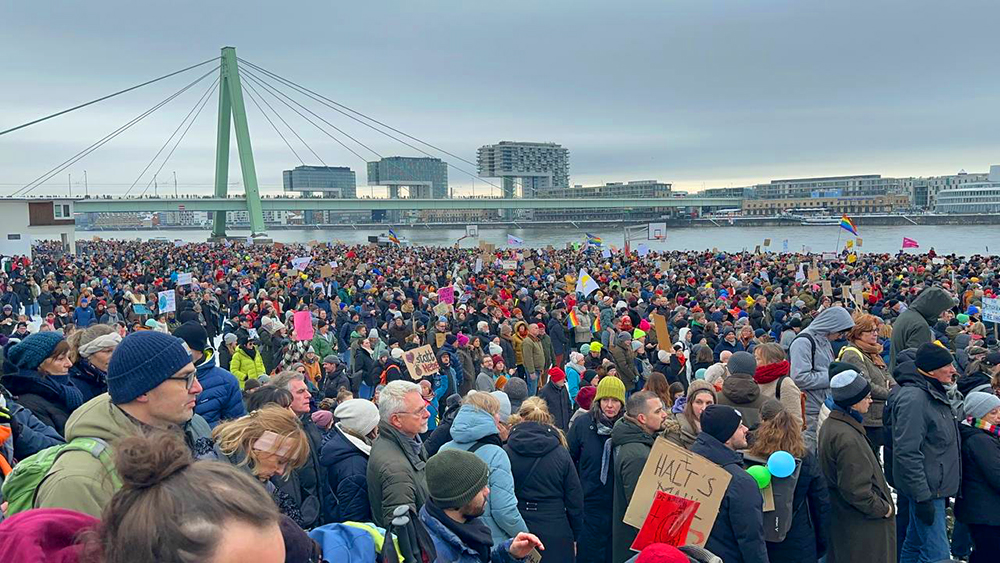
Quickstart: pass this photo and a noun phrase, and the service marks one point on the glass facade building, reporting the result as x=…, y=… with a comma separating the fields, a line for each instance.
x=321, y=181
x=424, y=177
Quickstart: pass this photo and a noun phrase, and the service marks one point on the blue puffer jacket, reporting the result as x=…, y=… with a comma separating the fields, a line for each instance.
x=474, y=425
x=347, y=468
x=31, y=435
x=220, y=398
x=451, y=549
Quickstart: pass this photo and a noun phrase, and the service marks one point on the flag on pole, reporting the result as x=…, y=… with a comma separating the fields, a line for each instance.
x=594, y=240
x=848, y=225
x=572, y=321
x=393, y=237
x=586, y=284
x=514, y=241
x=597, y=324
x=910, y=243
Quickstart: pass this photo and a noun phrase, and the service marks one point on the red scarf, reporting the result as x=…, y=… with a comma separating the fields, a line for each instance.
x=771, y=372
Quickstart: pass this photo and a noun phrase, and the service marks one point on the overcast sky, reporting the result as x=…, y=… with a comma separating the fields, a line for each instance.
x=699, y=94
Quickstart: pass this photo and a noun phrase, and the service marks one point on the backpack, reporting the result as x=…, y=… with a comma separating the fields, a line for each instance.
x=21, y=486
x=802, y=399
x=812, y=347
x=777, y=522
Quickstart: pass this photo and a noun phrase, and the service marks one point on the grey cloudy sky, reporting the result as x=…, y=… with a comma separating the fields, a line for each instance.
x=700, y=94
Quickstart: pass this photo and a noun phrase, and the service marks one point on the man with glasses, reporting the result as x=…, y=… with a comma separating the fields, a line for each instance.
x=152, y=385
x=396, y=465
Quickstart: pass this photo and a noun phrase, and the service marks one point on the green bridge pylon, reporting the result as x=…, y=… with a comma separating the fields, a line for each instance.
x=231, y=107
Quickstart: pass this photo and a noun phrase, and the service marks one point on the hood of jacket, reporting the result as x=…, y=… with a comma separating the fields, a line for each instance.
x=740, y=390
x=99, y=418
x=471, y=424
x=340, y=447
x=533, y=439
x=834, y=319
x=627, y=431
x=931, y=303
x=715, y=451
x=973, y=382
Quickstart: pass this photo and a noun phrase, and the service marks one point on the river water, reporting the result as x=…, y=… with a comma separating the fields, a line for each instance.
x=946, y=239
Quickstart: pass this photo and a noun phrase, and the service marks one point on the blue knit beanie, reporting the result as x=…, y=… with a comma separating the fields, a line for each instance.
x=142, y=361
x=32, y=351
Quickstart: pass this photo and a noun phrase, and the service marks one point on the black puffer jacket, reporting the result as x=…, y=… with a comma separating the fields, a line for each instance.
x=980, y=478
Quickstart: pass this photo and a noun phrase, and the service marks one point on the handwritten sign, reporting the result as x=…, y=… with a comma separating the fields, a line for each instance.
x=439, y=339
x=676, y=471
x=443, y=309
x=991, y=309
x=166, y=301
x=302, y=321
x=326, y=271
x=184, y=279
x=420, y=362
x=141, y=309
x=827, y=288
x=669, y=521
x=301, y=262
x=662, y=334
x=509, y=264
x=447, y=294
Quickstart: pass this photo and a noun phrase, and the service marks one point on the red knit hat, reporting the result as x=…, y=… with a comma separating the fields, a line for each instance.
x=557, y=375
x=661, y=553
x=498, y=359
x=585, y=397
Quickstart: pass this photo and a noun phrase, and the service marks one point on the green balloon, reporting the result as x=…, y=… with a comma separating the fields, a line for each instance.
x=761, y=475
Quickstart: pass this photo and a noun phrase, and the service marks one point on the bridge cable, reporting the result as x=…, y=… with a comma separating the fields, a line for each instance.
x=308, y=93
x=250, y=94
x=203, y=97
x=290, y=128
x=268, y=89
x=183, y=134
x=101, y=99
x=27, y=188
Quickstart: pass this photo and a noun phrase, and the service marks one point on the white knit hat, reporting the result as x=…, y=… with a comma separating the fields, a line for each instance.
x=358, y=415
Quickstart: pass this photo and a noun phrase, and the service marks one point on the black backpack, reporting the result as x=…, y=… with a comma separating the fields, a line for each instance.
x=777, y=522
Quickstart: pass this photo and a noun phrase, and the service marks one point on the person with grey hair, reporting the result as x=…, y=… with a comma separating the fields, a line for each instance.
x=90, y=351
x=227, y=350
x=396, y=465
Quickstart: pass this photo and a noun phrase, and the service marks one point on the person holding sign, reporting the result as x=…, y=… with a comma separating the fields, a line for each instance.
x=738, y=533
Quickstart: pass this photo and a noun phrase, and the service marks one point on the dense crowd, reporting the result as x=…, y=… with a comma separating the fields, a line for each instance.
x=270, y=408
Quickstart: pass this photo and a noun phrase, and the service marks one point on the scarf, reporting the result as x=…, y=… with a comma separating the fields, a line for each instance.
x=771, y=372
x=982, y=425
x=604, y=426
x=474, y=534
x=873, y=351
x=252, y=352
x=853, y=413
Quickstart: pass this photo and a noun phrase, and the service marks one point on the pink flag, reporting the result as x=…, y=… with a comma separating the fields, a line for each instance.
x=910, y=243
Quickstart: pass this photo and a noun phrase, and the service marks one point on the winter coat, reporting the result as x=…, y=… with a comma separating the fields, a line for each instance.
x=586, y=447
x=574, y=377
x=624, y=360
x=810, y=367
x=533, y=355
x=308, y=485
x=559, y=403
x=77, y=480
x=791, y=396
x=725, y=346
x=485, y=382
x=806, y=539
x=474, y=425
x=225, y=357
x=468, y=371
x=220, y=398
x=743, y=394
x=366, y=367
x=926, y=453
x=323, y=346
x=549, y=496
x=859, y=495
x=30, y=434
x=556, y=330
x=582, y=332
x=738, y=533
x=450, y=548
x=679, y=431
x=395, y=474
x=41, y=395
x=913, y=326
x=88, y=379
x=879, y=379
x=345, y=458
x=244, y=367
x=980, y=477
x=631, y=445
x=83, y=316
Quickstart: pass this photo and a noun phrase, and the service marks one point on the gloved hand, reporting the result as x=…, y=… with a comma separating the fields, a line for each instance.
x=925, y=512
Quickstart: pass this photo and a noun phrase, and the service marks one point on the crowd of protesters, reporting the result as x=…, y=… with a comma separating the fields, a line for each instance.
x=269, y=409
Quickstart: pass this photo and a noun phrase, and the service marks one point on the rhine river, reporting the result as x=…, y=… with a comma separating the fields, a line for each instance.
x=946, y=239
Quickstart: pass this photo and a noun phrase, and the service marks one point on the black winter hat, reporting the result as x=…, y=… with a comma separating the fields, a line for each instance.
x=720, y=421
x=930, y=357
x=194, y=335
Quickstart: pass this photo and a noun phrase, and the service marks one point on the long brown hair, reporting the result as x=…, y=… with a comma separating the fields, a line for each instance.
x=781, y=433
x=657, y=383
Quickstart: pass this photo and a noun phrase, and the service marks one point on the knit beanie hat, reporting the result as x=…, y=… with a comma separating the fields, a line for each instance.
x=978, y=404
x=720, y=421
x=930, y=357
x=661, y=553
x=322, y=418
x=700, y=385
x=358, y=415
x=585, y=397
x=34, y=349
x=143, y=361
x=839, y=367
x=663, y=356
x=595, y=346
x=610, y=387
x=742, y=363
x=517, y=391
x=848, y=388
x=585, y=349
x=194, y=335
x=505, y=411
x=495, y=349
x=455, y=477
x=770, y=409
x=556, y=375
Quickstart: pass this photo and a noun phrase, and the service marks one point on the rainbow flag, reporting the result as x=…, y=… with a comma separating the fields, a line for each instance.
x=571, y=320
x=597, y=324
x=848, y=225
x=594, y=240
x=393, y=237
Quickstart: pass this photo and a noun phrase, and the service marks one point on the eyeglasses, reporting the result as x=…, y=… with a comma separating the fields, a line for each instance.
x=418, y=412
x=188, y=379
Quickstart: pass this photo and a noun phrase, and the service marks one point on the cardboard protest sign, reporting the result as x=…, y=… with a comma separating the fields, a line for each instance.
x=827, y=288
x=509, y=264
x=669, y=521
x=166, y=301
x=677, y=471
x=420, y=362
x=662, y=334
x=446, y=294
x=767, y=242
x=529, y=265
x=439, y=339
x=303, y=325
x=326, y=271
x=813, y=274
x=442, y=309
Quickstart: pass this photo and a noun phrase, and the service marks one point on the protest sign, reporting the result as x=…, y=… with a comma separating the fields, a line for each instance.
x=767, y=242
x=606, y=253
x=668, y=521
x=184, y=279
x=325, y=271
x=302, y=322
x=827, y=288
x=662, y=334
x=479, y=265
x=420, y=362
x=446, y=294
x=442, y=309
x=675, y=470
x=509, y=264
x=166, y=301
x=141, y=309
x=301, y=262
x=529, y=265
x=991, y=309
x=813, y=274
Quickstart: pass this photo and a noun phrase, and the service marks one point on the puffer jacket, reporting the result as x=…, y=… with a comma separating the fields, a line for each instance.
x=625, y=362
x=30, y=434
x=471, y=426
x=631, y=445
x=451, y=549
x=346, y=460
x=913, y=326
x=926, y=452
x=980, y=477
x=678, y=430
x=743, y=394
x=220, y=398
x=244, y=367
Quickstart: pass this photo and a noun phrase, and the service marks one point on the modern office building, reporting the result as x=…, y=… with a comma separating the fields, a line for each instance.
x=637, y=188
x=866, y=185
x=972, y=197
x=744, y=192
x=926, y=190
x=526, y=169
x=421, y=177
x=321, y=181
x=826, y=206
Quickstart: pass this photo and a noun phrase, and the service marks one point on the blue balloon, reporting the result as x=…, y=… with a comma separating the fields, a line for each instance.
x=781, y=464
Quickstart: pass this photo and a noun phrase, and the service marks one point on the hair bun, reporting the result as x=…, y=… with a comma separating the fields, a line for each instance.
x=147, y=460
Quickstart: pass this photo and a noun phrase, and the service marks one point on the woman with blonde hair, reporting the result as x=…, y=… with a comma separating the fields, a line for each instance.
x=549, y=494
x=90, y=351
x=864, y=352
x=268, y=442
x=809, y=509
